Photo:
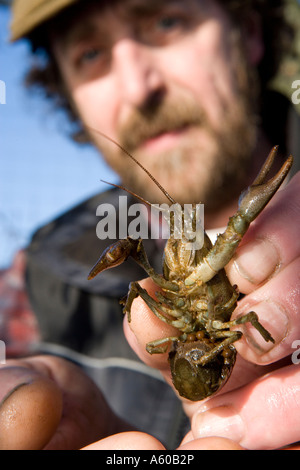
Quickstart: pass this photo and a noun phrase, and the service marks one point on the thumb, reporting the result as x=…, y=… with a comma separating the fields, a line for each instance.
x=30, y=409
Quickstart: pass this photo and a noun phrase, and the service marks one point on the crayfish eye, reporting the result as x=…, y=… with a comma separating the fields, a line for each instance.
x=194, y=381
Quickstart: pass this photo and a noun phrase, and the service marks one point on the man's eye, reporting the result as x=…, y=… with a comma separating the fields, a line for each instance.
x=89, y=55
x=168, y=22
x=91, y=59
x=163, y=27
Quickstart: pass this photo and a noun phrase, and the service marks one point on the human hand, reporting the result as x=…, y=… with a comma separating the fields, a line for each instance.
x=258, y=407
x=49, y=403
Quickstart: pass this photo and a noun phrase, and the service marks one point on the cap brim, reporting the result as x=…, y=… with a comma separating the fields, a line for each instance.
x=24, y=22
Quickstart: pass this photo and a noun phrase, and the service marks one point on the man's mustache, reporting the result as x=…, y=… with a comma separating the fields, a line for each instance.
x=167, y=117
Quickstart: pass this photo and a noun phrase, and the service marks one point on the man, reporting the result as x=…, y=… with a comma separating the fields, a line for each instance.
x=183, y=86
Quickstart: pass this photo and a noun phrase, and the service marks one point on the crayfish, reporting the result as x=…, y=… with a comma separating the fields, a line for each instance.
x=195, y=294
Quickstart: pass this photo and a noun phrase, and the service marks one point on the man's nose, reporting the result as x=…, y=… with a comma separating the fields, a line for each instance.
x=137, y=73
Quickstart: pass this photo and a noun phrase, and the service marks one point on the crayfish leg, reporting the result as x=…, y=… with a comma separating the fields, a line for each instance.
x=160, y=346
x=156, y=307
x=231, y=337
x=250, y=317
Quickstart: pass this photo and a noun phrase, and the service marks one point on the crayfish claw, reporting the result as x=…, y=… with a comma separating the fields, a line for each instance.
x=265, y=169
x=252, y=201
x=256, y=197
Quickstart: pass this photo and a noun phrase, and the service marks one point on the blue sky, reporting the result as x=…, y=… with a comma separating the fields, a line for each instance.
x=42, y=173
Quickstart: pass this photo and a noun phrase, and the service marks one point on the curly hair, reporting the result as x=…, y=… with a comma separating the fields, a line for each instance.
x=277, y=35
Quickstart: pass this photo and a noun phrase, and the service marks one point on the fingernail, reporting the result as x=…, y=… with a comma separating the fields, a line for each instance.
x=222, y=421
x=257, y=261
x=273, y=318
x=9, y=394
x=12, y=378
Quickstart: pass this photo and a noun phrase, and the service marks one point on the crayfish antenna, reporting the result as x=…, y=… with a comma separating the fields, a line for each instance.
x=135, y=195
x=128, y=191
x=137, y=162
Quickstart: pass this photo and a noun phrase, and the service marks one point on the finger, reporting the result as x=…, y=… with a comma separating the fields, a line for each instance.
x=145, y=327
x=210, y=443
x=261, y=415
x=277, y=305
x=271, y=243
x=86, y=416
x=30, y=410
x=127, y=441
x=143, y=441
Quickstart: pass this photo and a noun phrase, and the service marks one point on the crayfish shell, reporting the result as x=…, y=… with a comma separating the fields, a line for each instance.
x=196, y=382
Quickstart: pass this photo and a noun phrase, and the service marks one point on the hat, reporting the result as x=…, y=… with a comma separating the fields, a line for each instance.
x=29, y=14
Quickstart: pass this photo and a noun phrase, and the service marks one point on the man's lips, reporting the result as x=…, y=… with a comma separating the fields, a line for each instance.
x=163, y=141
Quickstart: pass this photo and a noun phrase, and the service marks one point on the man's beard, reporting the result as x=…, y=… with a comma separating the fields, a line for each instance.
x=208, y=166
